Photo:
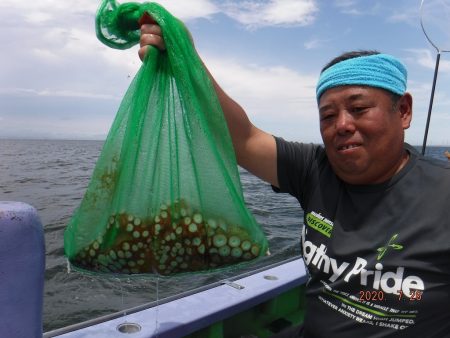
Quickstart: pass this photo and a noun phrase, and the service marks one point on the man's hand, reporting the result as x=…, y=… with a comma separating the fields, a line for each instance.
x=150, y=35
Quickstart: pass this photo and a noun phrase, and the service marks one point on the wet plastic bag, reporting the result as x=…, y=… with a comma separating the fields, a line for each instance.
x=165, y=196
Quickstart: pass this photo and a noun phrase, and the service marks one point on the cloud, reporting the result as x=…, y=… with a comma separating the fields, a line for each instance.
x=37, y=17
x=93, y=127
x=190, y=10
x=404, y=14
x=51, y=45
x=350, y=7
x=45, y=55
x=265, y=88
x=408, y=16
x=314, y=43
x=41, y=12
x=345, y=3
x=420, y=91
x=256, y=14
x=277, y=99
x=427, y=59
x=54, y=93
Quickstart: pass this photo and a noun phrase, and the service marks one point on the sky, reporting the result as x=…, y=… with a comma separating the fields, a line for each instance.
x=57, y=81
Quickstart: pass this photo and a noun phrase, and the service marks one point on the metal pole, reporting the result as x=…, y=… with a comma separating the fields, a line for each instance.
x=430, y=107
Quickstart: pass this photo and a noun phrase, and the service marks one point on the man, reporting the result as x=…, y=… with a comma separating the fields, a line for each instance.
x=376, y=235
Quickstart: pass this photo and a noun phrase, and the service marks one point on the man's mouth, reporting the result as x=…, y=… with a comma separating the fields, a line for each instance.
x=348, y=146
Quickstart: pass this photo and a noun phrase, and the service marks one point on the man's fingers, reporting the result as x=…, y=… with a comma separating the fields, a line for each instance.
x=151, y=35
x=142, y=51
x=151, y=29
x=147, y=40
x=146, y=18
x=152, y=39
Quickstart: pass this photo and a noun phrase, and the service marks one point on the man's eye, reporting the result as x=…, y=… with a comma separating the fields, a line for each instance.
x=326, y=117
x=358, y=109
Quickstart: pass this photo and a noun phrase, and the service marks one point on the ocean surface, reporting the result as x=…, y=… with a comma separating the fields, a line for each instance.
x=52, y=176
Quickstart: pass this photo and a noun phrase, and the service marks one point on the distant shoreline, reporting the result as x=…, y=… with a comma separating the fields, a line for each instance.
x=49, y=139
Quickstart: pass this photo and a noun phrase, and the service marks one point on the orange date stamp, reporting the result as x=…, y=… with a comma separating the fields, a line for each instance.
x=371, y=296
x=378, y=295
x=414, y=295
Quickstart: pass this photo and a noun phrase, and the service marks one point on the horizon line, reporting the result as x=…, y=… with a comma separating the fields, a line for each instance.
x=9, y=138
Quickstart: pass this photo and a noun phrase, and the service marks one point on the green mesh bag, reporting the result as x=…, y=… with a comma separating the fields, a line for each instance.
x=165, y=196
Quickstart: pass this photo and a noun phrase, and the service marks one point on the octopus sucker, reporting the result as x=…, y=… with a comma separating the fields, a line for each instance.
x=201, y=249
x=246, y=245
x=224, y=250
x=234, y=241
x=236, y=252
x=197, y=218
x=193, y=227
x=112, y=254
x=219, y=240
x=255, y=250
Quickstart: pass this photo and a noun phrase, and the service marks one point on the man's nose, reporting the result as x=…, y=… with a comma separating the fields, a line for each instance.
x=345, y=123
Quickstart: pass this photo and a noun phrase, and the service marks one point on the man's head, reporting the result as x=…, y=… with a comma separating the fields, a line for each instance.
x=364, y=111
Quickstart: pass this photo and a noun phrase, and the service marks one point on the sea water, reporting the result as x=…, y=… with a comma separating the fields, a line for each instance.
x=52, y=176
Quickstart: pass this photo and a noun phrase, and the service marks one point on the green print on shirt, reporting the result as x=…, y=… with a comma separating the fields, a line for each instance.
x=382, y=250
x=319, y=223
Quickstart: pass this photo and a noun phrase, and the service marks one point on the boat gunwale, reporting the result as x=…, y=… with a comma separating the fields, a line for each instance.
x=149, y=305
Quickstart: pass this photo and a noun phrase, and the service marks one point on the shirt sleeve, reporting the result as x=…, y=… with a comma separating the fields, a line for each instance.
x=295, y=163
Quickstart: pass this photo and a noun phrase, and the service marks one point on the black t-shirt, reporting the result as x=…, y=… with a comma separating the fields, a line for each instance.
x=378, y=255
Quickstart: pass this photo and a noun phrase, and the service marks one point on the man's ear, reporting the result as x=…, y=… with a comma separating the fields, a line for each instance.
x=404, y=107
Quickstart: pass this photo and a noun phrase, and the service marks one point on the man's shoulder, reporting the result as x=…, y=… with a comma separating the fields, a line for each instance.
x=434, y=173
x=294, y=147
x=427, y=160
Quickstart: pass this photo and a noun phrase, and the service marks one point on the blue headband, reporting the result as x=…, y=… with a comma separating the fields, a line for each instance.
x=378, y=70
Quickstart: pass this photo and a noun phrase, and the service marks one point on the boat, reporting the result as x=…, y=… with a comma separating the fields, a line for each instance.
x=260, y=303
x=22, y=267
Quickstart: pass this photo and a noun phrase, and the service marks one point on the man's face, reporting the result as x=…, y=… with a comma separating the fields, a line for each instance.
x=363, y=133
